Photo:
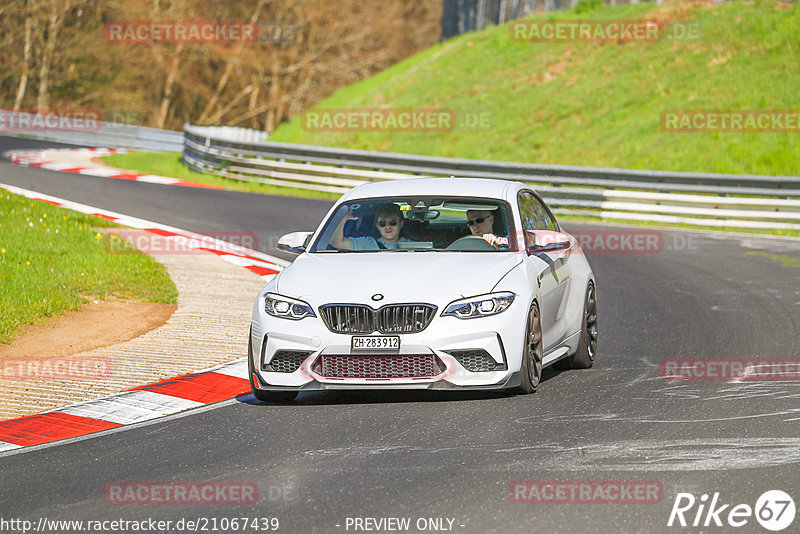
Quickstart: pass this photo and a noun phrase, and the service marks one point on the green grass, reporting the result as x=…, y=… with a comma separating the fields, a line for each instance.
x=786, y=261
x=596, y=104
x=169, y=164
x=53, y=260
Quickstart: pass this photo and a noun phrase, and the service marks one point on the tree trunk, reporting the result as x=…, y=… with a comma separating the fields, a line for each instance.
x=53, y=24
x=26, y=57
x=256, y=83
x=166, y=99
x=223, y=81
x=233, y=101
x=271, y=120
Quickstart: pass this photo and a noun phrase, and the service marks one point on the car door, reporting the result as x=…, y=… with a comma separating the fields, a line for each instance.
x=550, y=270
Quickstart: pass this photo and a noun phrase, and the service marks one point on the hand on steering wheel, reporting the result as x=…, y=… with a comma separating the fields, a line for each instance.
x=491, y=239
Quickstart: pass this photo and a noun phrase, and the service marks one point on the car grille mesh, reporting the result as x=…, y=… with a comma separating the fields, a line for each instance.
x=476, y=360
x=391, y=319
x=405, y=366
x=286, y=361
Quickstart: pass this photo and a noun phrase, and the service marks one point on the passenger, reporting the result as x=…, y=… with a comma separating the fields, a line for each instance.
x=389, y=222
x=481, y=223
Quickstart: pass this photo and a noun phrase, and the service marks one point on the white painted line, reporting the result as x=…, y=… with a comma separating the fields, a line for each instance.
x=154, y=179
x=180, y=415
x=60, y=166
x=245, y=262
x=8, y=446
x=135, y=222
x=236, y=369
x=140, y=224
x=100, y=171
x=130, y=407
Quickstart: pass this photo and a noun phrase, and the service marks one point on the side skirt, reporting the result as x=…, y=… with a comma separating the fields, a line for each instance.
x=565, y=349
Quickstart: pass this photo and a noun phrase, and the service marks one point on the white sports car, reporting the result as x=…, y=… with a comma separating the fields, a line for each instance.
x=430, y=283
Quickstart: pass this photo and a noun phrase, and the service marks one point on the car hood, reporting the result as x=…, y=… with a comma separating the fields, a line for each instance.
x=399, y=276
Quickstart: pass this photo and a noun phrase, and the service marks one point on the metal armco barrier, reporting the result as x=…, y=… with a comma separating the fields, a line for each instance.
x=729, y=200
x=95, y=134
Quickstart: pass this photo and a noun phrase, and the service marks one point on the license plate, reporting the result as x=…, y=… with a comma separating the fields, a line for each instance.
x=375, y=343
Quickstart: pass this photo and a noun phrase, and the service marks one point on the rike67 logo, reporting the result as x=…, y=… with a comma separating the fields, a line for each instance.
x=774, y=510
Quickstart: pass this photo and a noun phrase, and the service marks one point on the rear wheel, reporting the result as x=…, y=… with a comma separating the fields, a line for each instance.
x=587, y=346
x=532, y=352
x=265, y=396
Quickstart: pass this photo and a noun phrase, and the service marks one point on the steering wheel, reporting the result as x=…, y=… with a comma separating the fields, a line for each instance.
x=470, y=243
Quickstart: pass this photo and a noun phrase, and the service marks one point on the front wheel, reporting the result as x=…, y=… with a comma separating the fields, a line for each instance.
x=587, y=346
x=532, y=352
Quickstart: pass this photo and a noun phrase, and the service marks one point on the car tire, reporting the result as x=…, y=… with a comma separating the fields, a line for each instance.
x=261, y=395
x=531, y=368
x=587, y=346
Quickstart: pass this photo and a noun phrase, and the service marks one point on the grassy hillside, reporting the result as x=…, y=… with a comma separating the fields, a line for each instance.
x=596, y=103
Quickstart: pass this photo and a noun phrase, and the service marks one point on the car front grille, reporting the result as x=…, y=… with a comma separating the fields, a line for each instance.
x=390, y=319
x=395, y=366
x=476, y=360
x=286, y=361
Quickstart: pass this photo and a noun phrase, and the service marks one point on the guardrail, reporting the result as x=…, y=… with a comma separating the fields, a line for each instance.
x=88, y=133
x=703, y=199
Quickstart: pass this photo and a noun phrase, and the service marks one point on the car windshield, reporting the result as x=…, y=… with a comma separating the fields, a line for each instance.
x=453, y=224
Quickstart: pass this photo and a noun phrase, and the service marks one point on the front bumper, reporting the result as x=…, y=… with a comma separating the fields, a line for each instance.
x=500, y=336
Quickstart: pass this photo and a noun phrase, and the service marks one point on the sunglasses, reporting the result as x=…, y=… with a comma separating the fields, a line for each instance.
x=478, y=220
x=384, y=222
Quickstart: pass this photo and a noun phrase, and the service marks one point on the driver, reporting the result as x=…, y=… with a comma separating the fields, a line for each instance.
x=388, y=220
x=481, y=223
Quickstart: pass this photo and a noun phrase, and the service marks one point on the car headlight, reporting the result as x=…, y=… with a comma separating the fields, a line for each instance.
x=286, y=308
x=480, y=306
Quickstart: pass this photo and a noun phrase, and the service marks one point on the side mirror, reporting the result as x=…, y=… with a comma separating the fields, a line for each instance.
x=548, y=241
x=296, y=242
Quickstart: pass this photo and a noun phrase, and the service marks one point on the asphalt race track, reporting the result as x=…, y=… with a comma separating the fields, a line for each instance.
x=333, y=456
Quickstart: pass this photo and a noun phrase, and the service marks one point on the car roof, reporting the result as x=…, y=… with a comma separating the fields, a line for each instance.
x=467, y=187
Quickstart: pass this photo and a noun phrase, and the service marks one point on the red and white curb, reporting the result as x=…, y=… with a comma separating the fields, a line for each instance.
x=155, y=400
x=78, y=160
x=264, y=265
x=133, y=406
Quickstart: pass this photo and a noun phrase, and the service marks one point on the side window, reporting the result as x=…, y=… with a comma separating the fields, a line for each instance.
x=534, y=216
x=550, y=222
